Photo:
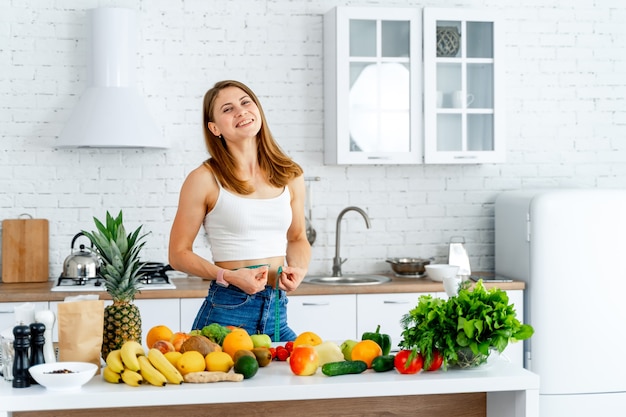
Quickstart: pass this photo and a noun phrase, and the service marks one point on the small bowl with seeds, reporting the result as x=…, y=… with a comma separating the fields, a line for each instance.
x=63, y=376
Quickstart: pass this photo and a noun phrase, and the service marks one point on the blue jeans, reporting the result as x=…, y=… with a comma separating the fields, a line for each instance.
x=256, y=313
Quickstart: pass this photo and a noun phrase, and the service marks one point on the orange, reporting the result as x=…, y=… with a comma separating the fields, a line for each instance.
x=366, y=351
x=237, y=339
x=307, y=338
x=160, y=332
x=178, y=339
x=191, y=361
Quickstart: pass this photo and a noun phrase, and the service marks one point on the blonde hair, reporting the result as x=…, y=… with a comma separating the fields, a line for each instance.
x=278, y=167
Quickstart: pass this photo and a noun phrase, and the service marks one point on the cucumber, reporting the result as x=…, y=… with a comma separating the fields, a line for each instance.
x=343, y=368
x=383, y=363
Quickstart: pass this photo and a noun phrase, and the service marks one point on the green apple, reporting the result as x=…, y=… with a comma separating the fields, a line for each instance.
x=346, y=348
x=261, y=340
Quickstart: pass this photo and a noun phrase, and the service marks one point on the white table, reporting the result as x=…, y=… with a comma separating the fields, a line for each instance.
x=511, y=391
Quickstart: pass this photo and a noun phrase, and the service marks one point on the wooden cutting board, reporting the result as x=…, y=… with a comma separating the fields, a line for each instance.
x=25, y=250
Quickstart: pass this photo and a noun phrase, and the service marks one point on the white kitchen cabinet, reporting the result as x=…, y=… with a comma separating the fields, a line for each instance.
x=372, y=86
x=463, y=87
x=386, y=310
x=332, y=317
x=153, y=312
x=189, y=308
x=158, y=311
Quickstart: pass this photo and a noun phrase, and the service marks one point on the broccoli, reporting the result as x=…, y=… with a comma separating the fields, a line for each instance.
x=216, y=332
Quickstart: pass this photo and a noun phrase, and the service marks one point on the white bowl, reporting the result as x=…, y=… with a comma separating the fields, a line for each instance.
x=47, y=375
x=437, y=272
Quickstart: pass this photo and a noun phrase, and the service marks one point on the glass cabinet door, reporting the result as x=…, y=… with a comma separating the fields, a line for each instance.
x=463, y=105
x=372, y=85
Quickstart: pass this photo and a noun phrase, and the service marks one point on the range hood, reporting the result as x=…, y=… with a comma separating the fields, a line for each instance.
x=111, y=113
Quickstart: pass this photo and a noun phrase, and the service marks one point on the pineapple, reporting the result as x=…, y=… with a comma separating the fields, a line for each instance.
x=120, y=271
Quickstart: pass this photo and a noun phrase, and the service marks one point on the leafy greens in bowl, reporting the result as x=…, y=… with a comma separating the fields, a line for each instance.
x=476, y=318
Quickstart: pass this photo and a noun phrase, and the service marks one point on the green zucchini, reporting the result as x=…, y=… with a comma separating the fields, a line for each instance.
x=383, y=363
x=343, y=368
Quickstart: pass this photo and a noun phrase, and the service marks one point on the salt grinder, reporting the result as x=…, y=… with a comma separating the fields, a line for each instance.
x=21, y=362
x=47, y=318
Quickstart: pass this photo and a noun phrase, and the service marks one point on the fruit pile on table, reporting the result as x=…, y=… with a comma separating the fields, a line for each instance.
x=224, y=353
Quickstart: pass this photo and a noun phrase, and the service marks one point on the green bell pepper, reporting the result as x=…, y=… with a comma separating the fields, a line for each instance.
x=383, y=340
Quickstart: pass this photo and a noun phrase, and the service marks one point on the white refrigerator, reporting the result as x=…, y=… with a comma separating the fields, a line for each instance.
x=569, y=246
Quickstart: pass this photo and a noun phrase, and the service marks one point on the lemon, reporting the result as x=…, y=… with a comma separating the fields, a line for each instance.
x=191, y=361
x=218, y=361
x=173, y=357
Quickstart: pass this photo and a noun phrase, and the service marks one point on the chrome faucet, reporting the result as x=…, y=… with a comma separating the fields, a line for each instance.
x=337, y=261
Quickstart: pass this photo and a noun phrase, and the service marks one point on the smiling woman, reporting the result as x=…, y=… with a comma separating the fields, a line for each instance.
x=249, y=197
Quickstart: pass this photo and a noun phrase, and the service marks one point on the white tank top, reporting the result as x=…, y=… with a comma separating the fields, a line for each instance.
x=240, y=228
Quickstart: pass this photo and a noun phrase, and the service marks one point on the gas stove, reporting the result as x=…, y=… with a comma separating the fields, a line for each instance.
x=155, y=276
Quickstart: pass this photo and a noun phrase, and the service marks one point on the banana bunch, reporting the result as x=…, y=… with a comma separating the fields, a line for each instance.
x=130, y=365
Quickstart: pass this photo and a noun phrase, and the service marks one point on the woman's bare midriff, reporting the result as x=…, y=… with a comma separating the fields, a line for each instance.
x=273, y=262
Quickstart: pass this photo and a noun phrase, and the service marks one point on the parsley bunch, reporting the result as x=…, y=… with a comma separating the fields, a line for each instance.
x=478, y=319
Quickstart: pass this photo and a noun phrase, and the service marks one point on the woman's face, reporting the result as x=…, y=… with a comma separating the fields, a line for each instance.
x=235, y=115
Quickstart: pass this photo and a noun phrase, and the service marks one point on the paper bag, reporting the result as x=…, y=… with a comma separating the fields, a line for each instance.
x=81, y=324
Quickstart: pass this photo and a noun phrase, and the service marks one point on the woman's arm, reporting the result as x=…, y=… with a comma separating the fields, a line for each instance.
x=298, y=247
x=198, y=193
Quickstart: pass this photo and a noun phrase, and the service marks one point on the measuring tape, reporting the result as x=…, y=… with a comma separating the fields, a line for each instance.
x=277, y=306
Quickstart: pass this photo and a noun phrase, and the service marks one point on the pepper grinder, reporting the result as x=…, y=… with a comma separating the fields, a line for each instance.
x=21, y=363
x=36, y=346
x=47, y=318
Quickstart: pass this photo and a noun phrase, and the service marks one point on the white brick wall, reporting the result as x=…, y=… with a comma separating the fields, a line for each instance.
x=566, y=120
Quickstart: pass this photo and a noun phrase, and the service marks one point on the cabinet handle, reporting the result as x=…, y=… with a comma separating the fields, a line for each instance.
x=465, y=157
x=379, y=157
x=6, y=312
x=395, y=302
x=315, y=304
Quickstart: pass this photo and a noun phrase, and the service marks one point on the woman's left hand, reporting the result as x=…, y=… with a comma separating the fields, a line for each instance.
x=291, y=277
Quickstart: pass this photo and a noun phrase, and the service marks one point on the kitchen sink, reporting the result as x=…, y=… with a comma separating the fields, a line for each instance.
x=347, y=280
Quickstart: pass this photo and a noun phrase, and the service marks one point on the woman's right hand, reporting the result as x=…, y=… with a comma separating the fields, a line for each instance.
x=248, y=280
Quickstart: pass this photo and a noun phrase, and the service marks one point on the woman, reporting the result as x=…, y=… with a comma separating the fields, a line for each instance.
x=249, y=196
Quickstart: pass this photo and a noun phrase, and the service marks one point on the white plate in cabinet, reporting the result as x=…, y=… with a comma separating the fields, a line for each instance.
x=332, y=317
x=372, y=86
x=386, y=310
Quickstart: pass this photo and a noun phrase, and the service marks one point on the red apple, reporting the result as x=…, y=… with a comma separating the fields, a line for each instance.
x=304, y=360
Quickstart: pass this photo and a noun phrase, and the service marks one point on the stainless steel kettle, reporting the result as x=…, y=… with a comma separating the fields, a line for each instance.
x=82, y=264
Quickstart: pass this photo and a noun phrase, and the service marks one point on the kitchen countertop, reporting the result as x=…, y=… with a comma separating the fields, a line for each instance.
x=511, y=390
x=194, y=287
